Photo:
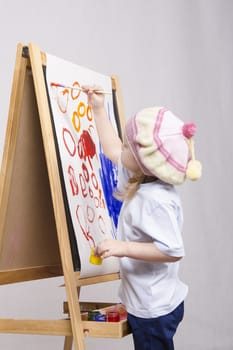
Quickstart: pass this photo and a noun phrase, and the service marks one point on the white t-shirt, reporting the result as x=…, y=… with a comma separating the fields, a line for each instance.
x=155, y=215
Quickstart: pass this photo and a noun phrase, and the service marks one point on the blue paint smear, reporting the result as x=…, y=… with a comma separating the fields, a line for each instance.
x=108, y=175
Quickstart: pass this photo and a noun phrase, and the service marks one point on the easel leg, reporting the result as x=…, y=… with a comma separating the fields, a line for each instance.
x=68, y=343
x=69, y=339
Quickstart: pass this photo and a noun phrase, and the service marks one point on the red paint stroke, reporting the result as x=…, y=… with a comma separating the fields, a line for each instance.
x=91, y=194
x=85, y=230
x=94, y=181
x=83, y=185
x=66, y=132
x=85, y=172
x=90, y=214
x=86, y=147
x=73, y=182
x=102, y=225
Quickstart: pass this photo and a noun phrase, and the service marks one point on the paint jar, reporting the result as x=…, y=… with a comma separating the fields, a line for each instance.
x=122, y=311
x=92, y=315
x=113, y=316
x=101, y=318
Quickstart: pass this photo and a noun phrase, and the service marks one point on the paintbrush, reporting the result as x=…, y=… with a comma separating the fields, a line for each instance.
x=79, y=88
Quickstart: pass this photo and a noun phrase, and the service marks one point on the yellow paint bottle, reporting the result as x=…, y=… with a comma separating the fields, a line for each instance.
x=94, y=259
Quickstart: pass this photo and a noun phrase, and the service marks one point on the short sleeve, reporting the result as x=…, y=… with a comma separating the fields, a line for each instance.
x=163, y=223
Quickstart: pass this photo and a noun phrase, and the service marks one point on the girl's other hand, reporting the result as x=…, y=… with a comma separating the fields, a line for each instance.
x=110, y=247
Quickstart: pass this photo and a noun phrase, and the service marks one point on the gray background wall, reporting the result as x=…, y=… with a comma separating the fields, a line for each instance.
x=176, y=53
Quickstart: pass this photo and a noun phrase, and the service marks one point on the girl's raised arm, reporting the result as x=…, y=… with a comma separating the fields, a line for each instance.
x=109, y=139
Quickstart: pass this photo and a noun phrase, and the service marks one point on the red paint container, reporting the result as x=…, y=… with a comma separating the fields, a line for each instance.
x=113, y=316
x=122, y=311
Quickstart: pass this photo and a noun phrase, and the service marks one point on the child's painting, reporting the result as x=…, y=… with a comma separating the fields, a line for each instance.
x=88, y=177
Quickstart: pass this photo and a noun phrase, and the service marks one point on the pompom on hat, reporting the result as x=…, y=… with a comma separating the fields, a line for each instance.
x=163, y=146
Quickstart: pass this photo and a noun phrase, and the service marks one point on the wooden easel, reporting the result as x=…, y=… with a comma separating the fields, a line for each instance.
x=34, y=237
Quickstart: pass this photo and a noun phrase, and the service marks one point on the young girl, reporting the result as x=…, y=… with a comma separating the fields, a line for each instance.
x=157, y=153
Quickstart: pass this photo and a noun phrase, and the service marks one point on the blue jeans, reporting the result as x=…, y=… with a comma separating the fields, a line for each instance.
x=155, y=333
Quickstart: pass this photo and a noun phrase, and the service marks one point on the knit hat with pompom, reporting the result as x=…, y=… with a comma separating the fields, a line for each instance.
x=162, y=145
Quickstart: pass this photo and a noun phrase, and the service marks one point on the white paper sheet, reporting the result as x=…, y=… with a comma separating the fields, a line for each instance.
x=80, y=154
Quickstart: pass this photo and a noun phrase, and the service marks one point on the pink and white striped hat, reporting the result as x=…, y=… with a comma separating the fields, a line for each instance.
x=162, y=145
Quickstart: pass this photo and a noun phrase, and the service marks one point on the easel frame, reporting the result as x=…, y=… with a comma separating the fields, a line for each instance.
x=73, y=328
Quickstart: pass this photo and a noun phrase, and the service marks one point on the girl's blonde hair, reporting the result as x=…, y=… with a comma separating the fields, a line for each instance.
x=134, y=183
